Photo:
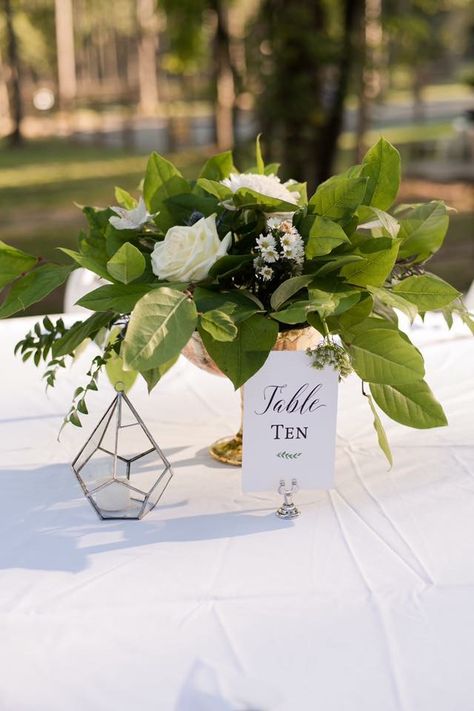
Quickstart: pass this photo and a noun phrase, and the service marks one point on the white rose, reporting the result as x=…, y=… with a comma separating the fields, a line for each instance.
x=187, y=253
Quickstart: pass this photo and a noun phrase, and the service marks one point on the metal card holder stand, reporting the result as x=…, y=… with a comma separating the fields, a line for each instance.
x=288, y=508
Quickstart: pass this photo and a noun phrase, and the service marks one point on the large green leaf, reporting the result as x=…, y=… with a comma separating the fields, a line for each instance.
x=114, y=367
x=162, y=181
x=381, y=165
x=33, y=288
x=114, y=297
x=13, y=263
x=229, y=264
x=125, y=199
x=355, y=315
x=219, y=324
x=127, y=264
x=324, y=236
x=289, y=288
x=79, y=331
x=296, y=312
x=247, y=198
x=427, y=292
x=379, y=256
x=379, y=428
x=423, y=231
x=258, y=156
x=241, y=358
x=94, y=265
x=383, y=355
x=208, y=300
x=218, y=167
x=339, y=197
x=411, y=404
x=214, y=187
x=154, y=375
x=161, y=324
x=394, y=300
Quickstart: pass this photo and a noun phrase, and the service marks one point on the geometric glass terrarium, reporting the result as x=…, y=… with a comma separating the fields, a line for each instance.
x=121, y=468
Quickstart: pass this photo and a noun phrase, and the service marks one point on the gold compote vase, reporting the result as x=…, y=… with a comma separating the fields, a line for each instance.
x=229, y=449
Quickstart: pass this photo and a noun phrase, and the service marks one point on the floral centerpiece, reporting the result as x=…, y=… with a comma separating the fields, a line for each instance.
x=239, y=258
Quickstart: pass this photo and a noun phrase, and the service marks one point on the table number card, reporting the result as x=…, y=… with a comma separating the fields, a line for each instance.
x=289, y=424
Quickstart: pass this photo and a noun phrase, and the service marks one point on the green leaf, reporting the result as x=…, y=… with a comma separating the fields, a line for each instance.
x=383, y=355
x=388, y=226
x=272, y=169
x=229, y=264
x=379, y=258
x=389, y=298
x=289, y=288
x=245, y=198
x=13, y=263
x=87, y=262
x=33, y=288
x=125, y=199
x=218, y=167
x=208, y=300
x=219, y=324
x=411, y=404
x=114, y=367
x=423, y=231
x=241, y=358
x=339, y=197
x=337, y=263
x=381, y=434
x=355, y=315
x=79, y=332
x=162, y=181
x=381, y=165
x=221, y=192
x=294, y=313
x=427, y=292
x=258, y=156
x=324, y=236
x=154, y=375
x=161, y=324
x=127, y=264
x=114, y=297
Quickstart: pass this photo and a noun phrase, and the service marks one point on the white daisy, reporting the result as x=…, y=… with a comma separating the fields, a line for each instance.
x=266, y=241
x=266, y=273
x=269, y=254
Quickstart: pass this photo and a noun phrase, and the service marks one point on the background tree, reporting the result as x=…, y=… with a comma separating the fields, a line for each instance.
x=303, y=60
x=13, y=80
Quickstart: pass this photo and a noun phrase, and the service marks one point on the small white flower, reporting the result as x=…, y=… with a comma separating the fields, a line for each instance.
x=268, y=185
x=269, y=254
x=266, y=242
x=266, y=273
x=131, y=219
x=188, y=252
x=289, y=239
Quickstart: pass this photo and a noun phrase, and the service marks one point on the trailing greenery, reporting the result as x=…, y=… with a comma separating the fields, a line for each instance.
x=240, y=257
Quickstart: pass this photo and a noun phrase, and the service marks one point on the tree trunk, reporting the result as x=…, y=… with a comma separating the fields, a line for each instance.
x=370, y=59
x=14, y=81
x=67, y=84
x=224, y=79
x=335, y=116
x=147, y=48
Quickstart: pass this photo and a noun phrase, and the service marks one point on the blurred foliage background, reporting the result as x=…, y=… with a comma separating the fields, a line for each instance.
x=89, y=87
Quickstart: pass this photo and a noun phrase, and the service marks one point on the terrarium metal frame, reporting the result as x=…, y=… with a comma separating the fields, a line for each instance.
x=150, y=498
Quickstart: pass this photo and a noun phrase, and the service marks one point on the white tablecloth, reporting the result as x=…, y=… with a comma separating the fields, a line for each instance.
x=211, y=603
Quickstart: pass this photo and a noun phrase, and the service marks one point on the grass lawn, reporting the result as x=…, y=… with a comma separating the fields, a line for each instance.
x=40, y=183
